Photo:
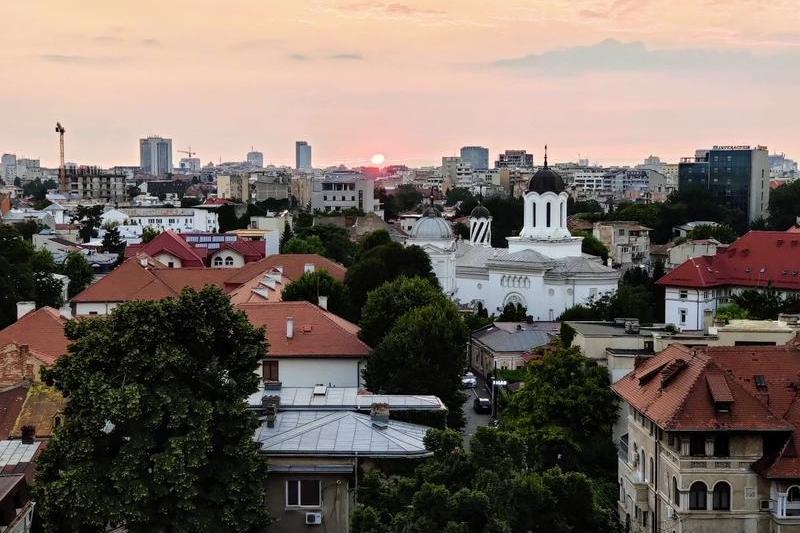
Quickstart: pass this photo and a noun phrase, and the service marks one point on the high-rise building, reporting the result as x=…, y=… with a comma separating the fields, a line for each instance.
x=454, y=172
x=476, y=156
x=234, y=187
x=256, y=159
x=514, y=159
x=341, y=190
x=155, y=156
x=302, y=155
x=736, y=176
x=8, y=168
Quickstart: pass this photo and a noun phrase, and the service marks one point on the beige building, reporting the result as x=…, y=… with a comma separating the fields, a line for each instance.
x=301, y=187
x=234, y=187
x=710, y=442
x=628, y=242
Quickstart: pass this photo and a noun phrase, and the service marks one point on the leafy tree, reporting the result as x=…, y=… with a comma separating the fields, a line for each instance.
x=513, y=313
x=462, y=230
x=423, y=354
x=310, y=245
x=384, y=263
x=148, y=234
x=29, y=228
x=228, y=220
x=156, y=436
x=311, y=285
x=37, y=189
x=112, y=241
x=335, y=240
x=784, y=206
x=286, y=236
x=566, y=409
x=49, y=290
x=386, y=304
x=592, y=245
x=371, y=240
x=405, y=198
x=765, y=304
x=77, y=269
x=730, y=312
x=506, y=218
x=133, y=191
x=722, y=233
x=89, y=218
x=16, y=274
x=579, y=312
x=585, y=206
x=478, y=319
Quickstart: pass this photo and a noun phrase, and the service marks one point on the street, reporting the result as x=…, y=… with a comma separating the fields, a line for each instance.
x=473, y=419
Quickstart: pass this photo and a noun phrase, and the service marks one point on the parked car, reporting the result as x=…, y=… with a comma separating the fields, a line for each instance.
x=469, y=381
x=482, y=405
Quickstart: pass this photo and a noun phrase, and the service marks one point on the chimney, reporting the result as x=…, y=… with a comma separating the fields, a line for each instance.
x=308, y=267
x=28, y=434
x=270, y=405
x=23, y=308
x=289, y=327
x=379, y=415
x=323, y=302
x=708, y=320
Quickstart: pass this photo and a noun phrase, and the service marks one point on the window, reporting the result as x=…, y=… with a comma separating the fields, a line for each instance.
x=217, y=261
x=697, y=496
x=171, y=264
x=683, y=294
x=682, y=314
x=676, y=494
x=621, y=232
x=229, y=261
x=722, y=496
x=697, y=445
x=270, y=371
x=721, y=446
x=652, y=470
x=303, y=493
x=547, y=214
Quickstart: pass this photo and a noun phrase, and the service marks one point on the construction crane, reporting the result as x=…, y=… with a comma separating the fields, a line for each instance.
x=187, y=152
x=62, y=170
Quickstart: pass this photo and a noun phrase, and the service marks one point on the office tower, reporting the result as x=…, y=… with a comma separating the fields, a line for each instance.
x=736, y=176
x=476, y=156
x=302, y=155
x=256, y=159
x=155, y=156
x=514, y=159
x=8, y=168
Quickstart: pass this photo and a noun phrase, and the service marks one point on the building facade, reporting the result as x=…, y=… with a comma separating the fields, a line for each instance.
x=736, y=176
x=256, y=159
x=234, y=187
x=476, y=156
x=155, y=156
x=343, y=190
x=628, y=242
x=302, y=155
x=514, y=159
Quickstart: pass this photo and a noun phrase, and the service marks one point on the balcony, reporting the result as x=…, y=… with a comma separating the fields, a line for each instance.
x=688, y=463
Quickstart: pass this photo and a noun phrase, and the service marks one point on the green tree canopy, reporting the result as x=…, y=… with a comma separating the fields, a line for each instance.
x=390, y=301
x=336, y=243
x=722, y=233
x=423, y=354
x=77, y=269
x=591, y=245
x=112, y=241
x=784, y=206
x=286, y=236
x=156, y=435
x=309, y=245
x=513, y=313
x=731, y=311
x=148, y=234
x=89, y=217
x=311, y=285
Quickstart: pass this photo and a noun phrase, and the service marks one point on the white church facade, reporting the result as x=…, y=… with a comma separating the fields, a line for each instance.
x=543, y=268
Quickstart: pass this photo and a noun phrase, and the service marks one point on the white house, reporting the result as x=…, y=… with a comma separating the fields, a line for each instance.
x=177, y=219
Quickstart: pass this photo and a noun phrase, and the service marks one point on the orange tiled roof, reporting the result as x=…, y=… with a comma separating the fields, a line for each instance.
x=42, y=330
x=317, y=333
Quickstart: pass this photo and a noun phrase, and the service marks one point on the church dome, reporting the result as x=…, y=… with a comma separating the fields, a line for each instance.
x=431, y=226
x=480, y=212
x=546, y=179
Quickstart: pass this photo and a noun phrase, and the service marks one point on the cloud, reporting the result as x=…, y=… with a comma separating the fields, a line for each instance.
x=152, y=43
x=616, y=9
x=613, y=55
x=389, y=8
x=256, y=44
x=346, y=57
x=78, y=59
x=299, y=57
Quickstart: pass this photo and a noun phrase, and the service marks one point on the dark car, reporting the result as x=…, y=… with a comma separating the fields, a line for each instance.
x=482, y=405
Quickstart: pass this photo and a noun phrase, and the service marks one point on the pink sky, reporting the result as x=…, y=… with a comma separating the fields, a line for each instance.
x=611, y=80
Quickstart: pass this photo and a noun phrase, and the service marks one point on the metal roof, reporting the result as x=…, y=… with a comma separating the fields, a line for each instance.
x=13, y=452
x=344, y=399
x=499, y=339
x=339, y=433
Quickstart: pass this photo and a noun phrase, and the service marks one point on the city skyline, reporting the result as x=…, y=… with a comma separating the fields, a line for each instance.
x=610, y=80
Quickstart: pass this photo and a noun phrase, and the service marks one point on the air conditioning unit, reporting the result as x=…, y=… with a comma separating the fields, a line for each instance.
x=313, y=519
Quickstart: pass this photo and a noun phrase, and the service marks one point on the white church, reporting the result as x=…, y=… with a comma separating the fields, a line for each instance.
x=543, y=268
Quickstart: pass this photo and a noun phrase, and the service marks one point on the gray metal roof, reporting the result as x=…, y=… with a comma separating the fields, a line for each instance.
x=499, y=339
x=13, y=452
x=345, y=399
x=339, y=433
x=582, y=265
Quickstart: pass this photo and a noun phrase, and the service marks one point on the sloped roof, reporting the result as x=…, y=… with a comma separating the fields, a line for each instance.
x=340, y=433
x=41, y=406
x=171, y=243
x=317, y=333
x=515, y=340
x=293, y=266
x=754, y=260
x=11, y=400
x=42, y=330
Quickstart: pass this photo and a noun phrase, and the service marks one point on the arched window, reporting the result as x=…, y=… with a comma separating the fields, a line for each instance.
x=652, y=471
x=547, y=214
x=229, y=261
x=722, y=496
x=794, y=494
x=676, y=494
x=561, y=214
x=533, y=204
x=217, y=261
x=697, y=496
x=793, y=501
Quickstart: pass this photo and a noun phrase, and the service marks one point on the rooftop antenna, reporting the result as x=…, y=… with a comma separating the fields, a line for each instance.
x=545, y=156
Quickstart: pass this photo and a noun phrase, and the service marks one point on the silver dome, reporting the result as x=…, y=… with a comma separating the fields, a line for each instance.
x=431, y=226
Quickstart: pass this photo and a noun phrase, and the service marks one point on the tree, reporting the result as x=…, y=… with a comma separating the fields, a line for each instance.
x=513, y=313
x=311, y=285
x=372, y=240
x=29, y=228
x=579, y=312
x=148, y=234
x=592, y=245
x=784, y=206
x=390, y=301
x=335, y=240
x=423, y=354
x=37, y=189
x=156, y=434
x=112, y=241
x=89, y=218
x=228, y=220
x=310, y=245
x=384, y=263
x=731, y=311
x=763, y=304
x=16, y=274
x=721, y=232
x=585, y=206
x=49, y=290
x=566, y=409
x=77, y=269
x=286, y=236
x=507, y=218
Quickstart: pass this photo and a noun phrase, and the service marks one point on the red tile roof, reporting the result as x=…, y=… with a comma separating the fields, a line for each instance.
x=754, y=260
x=42, y=330
x=171, y=243
x=317, y=333
x=744, y=388
x=11, y=400
x=293, y=266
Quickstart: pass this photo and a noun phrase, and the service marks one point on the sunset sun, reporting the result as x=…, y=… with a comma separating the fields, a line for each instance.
x=378, y=159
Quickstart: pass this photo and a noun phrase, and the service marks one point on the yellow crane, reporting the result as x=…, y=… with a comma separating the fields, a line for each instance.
x=62, y=170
